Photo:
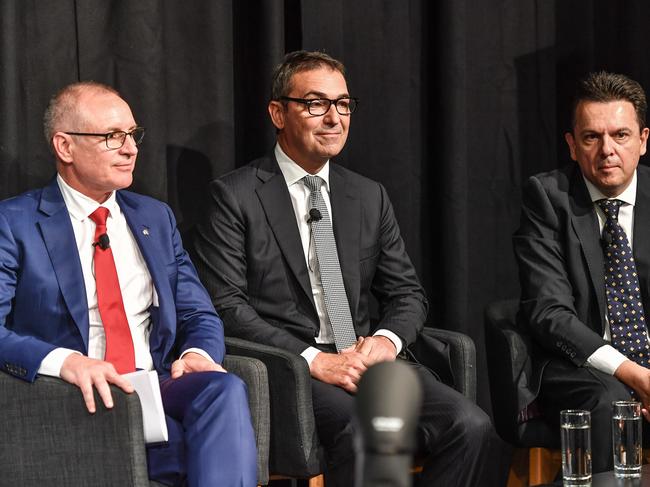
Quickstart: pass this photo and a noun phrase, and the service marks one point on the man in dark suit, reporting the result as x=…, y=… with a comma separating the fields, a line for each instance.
x=264, y=257
x=583, y=249
x=94, y=282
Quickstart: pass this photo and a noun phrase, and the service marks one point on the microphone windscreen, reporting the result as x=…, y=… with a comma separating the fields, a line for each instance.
x=104, y=242
x=389, y=399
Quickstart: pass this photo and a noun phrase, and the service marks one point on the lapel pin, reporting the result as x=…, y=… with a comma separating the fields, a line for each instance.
x=145, y=232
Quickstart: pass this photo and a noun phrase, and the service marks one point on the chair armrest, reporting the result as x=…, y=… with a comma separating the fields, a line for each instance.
x=510, y=370
x=294, y=447
x=49, y=438
x=253, y=372
x=462, y=356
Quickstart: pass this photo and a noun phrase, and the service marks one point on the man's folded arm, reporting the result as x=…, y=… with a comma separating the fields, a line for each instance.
x=402, y=302
x=547, y=301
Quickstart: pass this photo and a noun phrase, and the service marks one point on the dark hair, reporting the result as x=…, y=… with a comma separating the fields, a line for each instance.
x=295, y=62
x=605, y=87
x=63, y=106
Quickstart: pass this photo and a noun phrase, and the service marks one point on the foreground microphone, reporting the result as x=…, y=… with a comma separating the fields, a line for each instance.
x=389, y=399
x=314, y=215
x=103, y=242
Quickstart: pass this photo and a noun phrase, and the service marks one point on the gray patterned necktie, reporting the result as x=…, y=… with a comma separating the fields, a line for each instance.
x=336, y=302
x=624, y=303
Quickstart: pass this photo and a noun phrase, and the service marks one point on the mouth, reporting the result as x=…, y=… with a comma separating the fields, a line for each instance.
x=124, y=166
x=608, y=166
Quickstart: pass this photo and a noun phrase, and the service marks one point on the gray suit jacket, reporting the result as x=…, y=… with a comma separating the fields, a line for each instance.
x=561, y=266
x=250, y=258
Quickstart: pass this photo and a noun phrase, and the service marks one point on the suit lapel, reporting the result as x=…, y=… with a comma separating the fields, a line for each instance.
x=276, y=202
x=346, y=217
x=641, y=235
x=141, y=231
x=585, y=224
x=58, y=236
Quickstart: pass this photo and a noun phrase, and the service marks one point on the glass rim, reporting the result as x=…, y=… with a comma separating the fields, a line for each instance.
x=626, y=402
x=575, y=411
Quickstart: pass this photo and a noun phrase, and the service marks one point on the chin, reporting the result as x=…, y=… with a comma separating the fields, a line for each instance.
x=123, y=183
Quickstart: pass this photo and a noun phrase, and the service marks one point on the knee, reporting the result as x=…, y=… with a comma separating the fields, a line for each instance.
x=225, y=387
x=472, y=424
x=600, y=404
x=234, y=387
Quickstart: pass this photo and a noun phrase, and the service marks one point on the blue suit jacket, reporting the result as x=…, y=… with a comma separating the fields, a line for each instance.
x=43, y=302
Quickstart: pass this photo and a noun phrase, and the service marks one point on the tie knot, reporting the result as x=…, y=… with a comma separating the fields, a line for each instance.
x=99, y=216
x=610, y=208
x=312, y=182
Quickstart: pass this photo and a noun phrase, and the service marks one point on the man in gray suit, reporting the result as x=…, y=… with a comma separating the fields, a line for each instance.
x=583, y=249
x=265, y=258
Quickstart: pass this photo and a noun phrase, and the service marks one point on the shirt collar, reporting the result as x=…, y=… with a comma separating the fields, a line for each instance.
x=293, y=173
x=628, y=196
x=79, y=205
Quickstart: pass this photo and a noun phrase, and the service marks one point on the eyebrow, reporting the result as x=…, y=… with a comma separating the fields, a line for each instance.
x=111, y=130
x=617, y=129
x=320, y=94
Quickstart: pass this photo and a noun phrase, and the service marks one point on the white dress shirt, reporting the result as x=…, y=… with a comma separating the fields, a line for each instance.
x=136, y=285
x=299, y=194
x=607, y=358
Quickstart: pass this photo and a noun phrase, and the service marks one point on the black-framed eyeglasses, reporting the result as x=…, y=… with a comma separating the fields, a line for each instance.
x=320, y=106
x=116, y=139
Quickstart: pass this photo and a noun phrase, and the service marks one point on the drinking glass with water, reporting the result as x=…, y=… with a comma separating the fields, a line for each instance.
x=626, y=438
x=575, y=426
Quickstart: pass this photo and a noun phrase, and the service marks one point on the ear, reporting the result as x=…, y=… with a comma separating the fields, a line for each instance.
x=277, y=111
x=62, y=146
x=572, y=145
x=644, y=140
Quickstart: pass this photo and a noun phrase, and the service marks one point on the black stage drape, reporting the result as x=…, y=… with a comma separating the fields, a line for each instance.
x=461, y=100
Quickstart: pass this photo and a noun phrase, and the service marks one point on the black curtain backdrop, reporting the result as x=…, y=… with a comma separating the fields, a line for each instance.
x=461, y=100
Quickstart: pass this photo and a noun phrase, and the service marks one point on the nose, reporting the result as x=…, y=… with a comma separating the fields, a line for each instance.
x=129, y=146
x=332, y=117
x=607, y=146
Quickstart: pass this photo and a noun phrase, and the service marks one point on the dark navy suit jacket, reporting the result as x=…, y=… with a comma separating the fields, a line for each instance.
x=43, y=301
x=561, y=266
x=251, y=259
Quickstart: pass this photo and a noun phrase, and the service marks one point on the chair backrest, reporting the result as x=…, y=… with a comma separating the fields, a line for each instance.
x=510, y=370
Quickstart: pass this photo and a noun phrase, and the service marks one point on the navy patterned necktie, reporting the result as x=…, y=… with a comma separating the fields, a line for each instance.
x=624, y=304
x=336, y=301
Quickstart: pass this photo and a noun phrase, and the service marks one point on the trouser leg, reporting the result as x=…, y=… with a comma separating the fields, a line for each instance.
x=218, y=438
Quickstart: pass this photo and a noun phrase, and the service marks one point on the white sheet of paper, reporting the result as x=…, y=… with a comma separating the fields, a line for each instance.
x=145, y=383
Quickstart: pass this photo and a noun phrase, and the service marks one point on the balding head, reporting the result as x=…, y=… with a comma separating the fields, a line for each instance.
x=65, y=112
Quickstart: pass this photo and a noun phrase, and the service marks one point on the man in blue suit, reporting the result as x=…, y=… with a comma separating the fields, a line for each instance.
x=53, y=316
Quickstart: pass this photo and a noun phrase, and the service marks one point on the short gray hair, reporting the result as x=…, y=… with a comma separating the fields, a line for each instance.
x=63, y=107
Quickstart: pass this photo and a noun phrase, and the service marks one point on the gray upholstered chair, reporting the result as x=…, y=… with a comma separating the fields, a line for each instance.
x=295, y=451
x=49, y=439
x=536, y=458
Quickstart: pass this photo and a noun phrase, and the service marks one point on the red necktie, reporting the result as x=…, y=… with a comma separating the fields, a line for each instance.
x=119, y=344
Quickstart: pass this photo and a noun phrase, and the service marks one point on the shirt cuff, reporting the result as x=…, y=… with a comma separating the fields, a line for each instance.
x=203, y=353
x=606, y=359
x=53, y=361
x=309, y=354
x=397, y=341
